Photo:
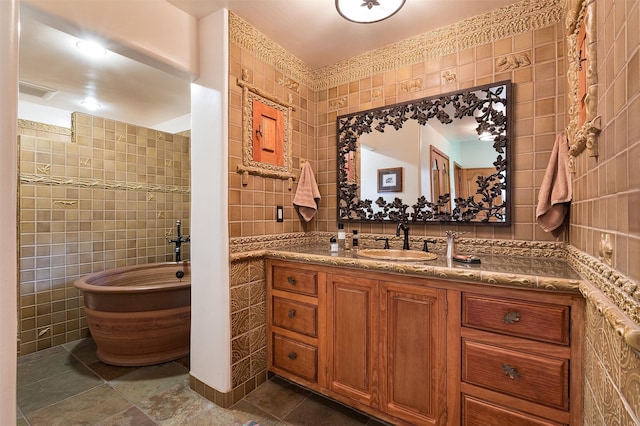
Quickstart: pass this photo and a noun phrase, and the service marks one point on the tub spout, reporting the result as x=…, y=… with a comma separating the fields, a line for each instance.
x=178, y=241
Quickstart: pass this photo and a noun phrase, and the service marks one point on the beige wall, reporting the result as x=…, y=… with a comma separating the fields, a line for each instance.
x=607, y=200
x=106, y=198
x=9, y=13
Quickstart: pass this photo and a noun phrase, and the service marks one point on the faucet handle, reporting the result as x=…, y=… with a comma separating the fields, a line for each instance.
x=386, y=241
x=425, y=247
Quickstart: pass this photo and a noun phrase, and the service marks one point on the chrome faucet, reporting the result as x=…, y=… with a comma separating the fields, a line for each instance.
x=178, y=241
x=451, y=242
x=405, y=228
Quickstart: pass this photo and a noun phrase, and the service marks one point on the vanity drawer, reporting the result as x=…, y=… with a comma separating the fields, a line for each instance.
x=539, y=321
x=295, y=357
x=476, y=412
x=536, y=378
x=295, y=316
x=295, y=280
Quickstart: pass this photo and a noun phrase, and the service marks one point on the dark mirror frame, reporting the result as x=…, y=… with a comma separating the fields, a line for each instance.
x=487, y=209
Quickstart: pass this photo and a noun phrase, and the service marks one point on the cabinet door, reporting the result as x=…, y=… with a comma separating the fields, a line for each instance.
x=352, y=318
x=413, y=353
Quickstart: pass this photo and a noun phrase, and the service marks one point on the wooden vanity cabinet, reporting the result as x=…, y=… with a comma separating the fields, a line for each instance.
x=380, y=344
x=422, y=351
x=293, y=321
x=521, y=358
x=413, y=352
x=352, y=341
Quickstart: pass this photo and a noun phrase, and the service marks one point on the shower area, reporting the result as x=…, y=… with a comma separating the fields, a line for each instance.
x=102, y=194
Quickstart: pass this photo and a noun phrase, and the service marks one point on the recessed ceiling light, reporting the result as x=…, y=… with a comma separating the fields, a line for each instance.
x=91, y=48
x=91, y=104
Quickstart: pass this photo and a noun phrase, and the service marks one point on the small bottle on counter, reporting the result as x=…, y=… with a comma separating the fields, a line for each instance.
x=333, y=244
x=341, y=236
x=354, y=241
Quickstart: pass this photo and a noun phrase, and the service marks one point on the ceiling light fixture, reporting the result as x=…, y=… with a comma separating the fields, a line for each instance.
x=368, y=11
x=91, y=48
x=91, y=104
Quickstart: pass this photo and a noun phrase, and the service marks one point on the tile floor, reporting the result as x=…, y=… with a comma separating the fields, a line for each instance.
x=68, y=385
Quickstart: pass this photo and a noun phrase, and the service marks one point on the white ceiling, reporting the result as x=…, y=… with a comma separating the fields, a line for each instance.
x=312, y=30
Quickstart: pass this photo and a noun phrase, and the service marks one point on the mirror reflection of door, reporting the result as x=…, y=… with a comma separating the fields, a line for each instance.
x=469, y=184
x=441, y=180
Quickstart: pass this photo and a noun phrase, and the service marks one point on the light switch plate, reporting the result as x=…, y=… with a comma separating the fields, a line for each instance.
x=279, y=214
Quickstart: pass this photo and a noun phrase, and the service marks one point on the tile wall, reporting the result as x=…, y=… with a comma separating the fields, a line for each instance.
x=104, y=194
x=606, y=201
x=318, y=100
x=538, y=95
x=605, y=190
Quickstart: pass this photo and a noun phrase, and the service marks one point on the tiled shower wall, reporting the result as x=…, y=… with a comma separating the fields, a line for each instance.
x=606, y=201
x=102, y=195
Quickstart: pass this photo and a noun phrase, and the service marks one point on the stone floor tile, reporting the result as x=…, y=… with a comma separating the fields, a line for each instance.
x=318, y=411
x=143, y=382
x=277, y=397
x=39, y=368
x=71, y=381
x=83, y=349
x=109, y=372
x=85, y=408
x=35, y=356
x=132, y=416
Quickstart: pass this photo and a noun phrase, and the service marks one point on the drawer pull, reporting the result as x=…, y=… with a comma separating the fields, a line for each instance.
x=292, y=356
x=511, y=317
x=292, y=313
x=291, y=280
x=511, y=372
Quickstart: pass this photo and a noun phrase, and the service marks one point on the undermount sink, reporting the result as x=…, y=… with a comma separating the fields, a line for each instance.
x=392, y=254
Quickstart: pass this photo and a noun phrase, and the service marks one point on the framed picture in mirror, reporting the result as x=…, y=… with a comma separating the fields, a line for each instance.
x=390, y=180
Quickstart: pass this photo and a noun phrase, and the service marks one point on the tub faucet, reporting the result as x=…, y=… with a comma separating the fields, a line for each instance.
x=178, y=241
x=405, y=228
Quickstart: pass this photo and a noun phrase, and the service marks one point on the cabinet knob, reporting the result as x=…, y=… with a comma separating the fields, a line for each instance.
x=292, y=356
x=511, y=317
x=511, y=372
x=291, y=280
x=292, y=313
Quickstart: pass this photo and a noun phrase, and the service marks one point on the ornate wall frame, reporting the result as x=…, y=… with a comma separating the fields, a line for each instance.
x=249, y=166
x=582, y=135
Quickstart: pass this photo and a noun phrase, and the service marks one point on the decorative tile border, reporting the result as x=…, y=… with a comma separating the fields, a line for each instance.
x=28, y=178
x=49, y=128
x=518, y=18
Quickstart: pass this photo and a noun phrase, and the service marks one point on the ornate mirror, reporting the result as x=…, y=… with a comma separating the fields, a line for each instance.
x=438, y=159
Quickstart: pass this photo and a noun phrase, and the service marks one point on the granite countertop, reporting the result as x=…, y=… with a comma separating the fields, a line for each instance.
x=528, y=272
